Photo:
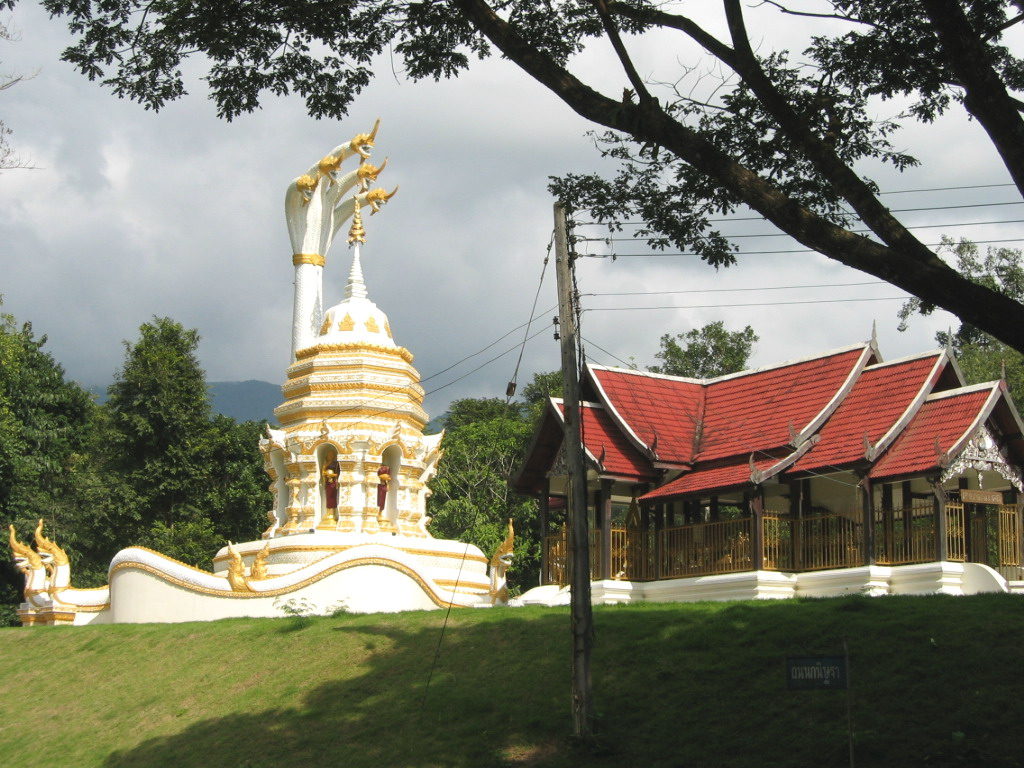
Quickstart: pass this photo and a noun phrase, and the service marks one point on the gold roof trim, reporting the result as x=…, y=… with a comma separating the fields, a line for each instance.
x=317, y=349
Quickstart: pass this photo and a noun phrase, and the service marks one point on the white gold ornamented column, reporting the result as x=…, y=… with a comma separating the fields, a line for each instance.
x=308, y=309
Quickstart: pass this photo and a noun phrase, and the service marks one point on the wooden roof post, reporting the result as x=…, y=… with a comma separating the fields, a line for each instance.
x=941, y=522
x=605, y=512
x=867, y=501
x=757, y=528
x=543, y=503
x=796, y=488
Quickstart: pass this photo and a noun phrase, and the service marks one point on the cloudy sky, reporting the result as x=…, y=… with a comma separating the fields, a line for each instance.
x=130, y=214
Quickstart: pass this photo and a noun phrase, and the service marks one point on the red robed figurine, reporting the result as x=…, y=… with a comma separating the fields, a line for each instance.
x=384, y=476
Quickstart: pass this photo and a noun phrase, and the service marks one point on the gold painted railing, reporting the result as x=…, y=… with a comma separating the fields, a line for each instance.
x=778, y=543
x=629, y=555
x=820, y=542
x=905, y=535
x=556, y=570
x=706, y=548
x=1009, y=537
x=830, y=541
x=956, y=539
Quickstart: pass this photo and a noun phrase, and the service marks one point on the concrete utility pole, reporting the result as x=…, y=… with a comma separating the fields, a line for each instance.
x=579, y=534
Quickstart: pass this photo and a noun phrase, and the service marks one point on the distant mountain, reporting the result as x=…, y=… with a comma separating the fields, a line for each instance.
x=241, y=400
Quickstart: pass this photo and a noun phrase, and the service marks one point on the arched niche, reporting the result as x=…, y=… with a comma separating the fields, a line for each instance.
x=392, y=459
x=326, y=452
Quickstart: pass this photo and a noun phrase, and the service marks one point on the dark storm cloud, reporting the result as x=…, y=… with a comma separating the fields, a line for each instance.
x=134, y=214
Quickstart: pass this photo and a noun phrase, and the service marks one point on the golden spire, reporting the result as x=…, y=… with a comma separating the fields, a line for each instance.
x=356, y=233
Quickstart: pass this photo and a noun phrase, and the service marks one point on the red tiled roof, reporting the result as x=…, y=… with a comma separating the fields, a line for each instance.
x=728, y=476
x=755, y=411
x=738, y=413
x=656, y=408
x=935, y=429
x=601, y=434
x=605, y=441
x=878, y=400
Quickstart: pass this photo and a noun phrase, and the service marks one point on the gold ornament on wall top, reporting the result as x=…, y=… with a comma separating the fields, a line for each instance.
x=259, y=565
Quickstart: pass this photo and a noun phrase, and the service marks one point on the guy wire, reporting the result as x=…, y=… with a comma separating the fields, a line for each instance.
x=511, y=391
x=444, y=626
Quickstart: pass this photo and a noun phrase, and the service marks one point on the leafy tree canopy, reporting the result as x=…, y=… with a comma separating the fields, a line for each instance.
x=471, y=410
x=785, y=133
x=471, y=499
x=981, y=357
x=541, y=387
x=44, y=429
x=703, y=353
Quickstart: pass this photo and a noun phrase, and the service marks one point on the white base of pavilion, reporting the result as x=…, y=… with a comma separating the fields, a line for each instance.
x=945, y=578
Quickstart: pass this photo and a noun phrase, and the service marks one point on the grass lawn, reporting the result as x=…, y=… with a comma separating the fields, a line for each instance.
x=936, y=681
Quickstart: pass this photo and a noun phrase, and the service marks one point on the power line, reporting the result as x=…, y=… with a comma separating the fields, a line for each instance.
x=614, y=256
x=889, y=192
x=489, y=346
x=752, y=304
x=846, y=211
x=786, y=234
x=510, y=391
x=947, y=189
x=733, y=290
x=611, y=355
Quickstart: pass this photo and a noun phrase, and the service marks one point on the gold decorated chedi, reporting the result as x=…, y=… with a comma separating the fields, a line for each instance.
x=348, y=467
x=351, y=455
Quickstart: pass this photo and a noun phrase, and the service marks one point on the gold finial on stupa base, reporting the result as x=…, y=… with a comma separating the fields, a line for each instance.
x=356, y=233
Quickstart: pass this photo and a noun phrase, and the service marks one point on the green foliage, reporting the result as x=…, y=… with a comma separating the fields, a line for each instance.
x=981, y=357
x=190, y=537
x=541, y=387
x=190, y=481
x=483, y=443
x=472, y=410
x=706, y=352
x=150, y=467
x=44, y=432
x=159, y=415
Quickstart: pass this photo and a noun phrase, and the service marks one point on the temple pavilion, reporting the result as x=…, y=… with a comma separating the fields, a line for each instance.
x=832, y=474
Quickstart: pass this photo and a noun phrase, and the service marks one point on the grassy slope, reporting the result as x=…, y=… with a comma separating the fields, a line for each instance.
x=936, y=681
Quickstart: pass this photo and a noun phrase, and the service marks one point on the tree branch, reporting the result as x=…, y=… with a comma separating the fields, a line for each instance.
x=849, y=184
x=1003, y=27
x=838, y=16
x=709, y=42
x=925, y=276
x=620, y=50
x=985, y=97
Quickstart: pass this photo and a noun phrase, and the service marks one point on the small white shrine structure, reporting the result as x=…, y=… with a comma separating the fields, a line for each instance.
x=349, y=468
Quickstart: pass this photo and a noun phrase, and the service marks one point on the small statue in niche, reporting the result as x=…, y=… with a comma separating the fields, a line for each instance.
x=383, y=481
x=330, y=474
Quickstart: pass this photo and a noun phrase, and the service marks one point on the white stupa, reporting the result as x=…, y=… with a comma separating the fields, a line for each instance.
x=349, y=468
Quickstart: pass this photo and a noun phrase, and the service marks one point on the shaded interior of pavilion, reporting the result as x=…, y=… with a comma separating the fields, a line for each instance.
x=808, y=524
